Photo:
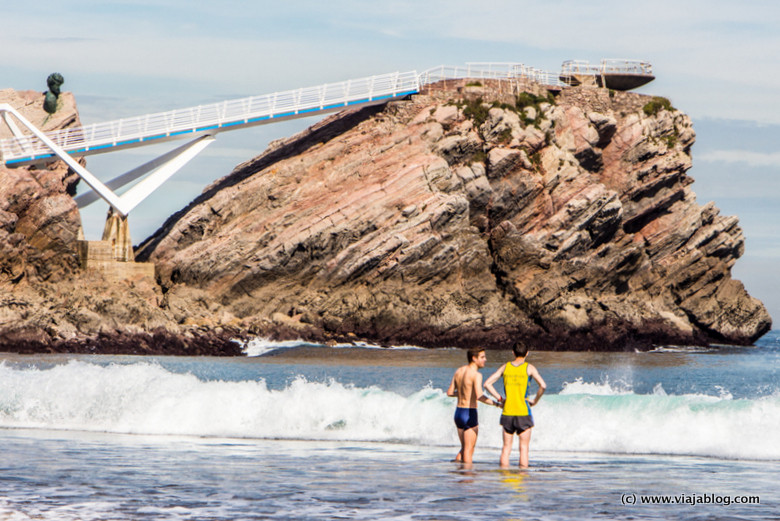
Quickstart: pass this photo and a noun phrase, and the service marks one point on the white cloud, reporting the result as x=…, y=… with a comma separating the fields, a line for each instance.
x=746, y=157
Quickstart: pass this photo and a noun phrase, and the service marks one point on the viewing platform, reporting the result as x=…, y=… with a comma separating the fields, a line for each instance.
x=616, y=74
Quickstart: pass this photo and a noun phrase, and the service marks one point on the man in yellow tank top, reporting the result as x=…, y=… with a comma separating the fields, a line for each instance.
x=516, y=417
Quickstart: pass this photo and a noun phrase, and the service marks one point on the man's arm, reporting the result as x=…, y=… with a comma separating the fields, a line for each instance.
x=453, y=390
x=533, y=373
x=493, y=378
x=482, y=398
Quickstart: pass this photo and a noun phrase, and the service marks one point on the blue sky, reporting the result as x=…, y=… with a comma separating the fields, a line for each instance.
x=718, y=61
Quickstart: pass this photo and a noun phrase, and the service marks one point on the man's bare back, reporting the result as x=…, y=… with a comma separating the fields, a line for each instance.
x=467, y=382
x=466, y=385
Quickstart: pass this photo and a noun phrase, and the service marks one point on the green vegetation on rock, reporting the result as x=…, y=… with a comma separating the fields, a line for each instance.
x=656, y=105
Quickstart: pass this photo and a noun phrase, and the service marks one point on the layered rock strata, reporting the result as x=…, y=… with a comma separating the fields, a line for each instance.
x=472, y=214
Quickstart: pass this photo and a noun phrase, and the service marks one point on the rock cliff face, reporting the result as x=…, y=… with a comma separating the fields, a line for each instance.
x=471, y=214
x=38, y=218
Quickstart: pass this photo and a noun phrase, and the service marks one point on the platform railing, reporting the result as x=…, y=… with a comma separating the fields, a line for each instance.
x=490, y=70
x=214, y=117
x=607, y=66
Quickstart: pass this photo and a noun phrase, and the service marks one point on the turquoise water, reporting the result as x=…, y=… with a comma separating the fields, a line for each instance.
x=311, y=432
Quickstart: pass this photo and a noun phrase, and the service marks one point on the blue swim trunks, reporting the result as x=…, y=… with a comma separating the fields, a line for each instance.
x=465, y=418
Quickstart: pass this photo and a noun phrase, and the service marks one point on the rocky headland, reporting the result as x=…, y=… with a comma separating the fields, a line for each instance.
x=470, y=214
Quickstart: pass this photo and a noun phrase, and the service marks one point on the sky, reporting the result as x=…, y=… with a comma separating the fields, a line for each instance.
x=716, y=60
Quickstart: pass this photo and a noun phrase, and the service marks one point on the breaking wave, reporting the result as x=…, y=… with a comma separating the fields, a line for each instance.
x=145, y=398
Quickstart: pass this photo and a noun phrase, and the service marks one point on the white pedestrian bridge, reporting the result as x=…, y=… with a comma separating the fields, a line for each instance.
x=201, y=124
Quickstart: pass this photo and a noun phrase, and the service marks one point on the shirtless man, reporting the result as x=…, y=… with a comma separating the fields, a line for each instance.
x=466, y=385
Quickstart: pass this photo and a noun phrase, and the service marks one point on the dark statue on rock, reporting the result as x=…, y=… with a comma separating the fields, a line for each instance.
x=54, y=81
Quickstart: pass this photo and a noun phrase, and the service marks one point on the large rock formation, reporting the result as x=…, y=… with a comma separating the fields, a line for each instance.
x=471, y=215
x=466, y=215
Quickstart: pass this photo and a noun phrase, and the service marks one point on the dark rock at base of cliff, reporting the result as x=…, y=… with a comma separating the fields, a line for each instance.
x=160, y=342
x=607, y=336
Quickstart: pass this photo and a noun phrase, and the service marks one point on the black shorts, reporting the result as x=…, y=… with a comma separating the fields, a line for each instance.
x=516, y=424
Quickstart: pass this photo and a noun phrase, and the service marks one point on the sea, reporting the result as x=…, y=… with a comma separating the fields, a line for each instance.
x=301, y=431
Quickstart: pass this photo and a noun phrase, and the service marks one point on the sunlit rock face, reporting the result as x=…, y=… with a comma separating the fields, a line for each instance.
x=471, y=215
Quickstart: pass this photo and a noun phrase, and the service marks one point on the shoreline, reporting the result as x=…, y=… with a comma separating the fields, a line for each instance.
x=229, y=342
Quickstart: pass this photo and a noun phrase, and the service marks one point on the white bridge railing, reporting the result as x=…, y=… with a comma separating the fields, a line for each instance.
x=256, y=110
x=212, y=118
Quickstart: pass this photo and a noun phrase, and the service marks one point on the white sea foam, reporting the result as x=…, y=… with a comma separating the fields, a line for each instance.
x=145, y=398
x=683, y=349
x=366, y=345
x=605, y=388
x=658, y=423
x=83, y=511
x=261, y=346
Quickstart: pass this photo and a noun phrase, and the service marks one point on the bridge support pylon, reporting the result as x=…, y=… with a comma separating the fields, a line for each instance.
x=117, y=232
x=113, y=255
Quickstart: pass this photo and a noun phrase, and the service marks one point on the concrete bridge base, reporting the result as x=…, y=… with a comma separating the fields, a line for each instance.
x=113, y=255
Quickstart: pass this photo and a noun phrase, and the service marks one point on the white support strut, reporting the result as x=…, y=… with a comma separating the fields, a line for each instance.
x=93, y=182
x=145, y=188
x=177, y=157
x=14, y=129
